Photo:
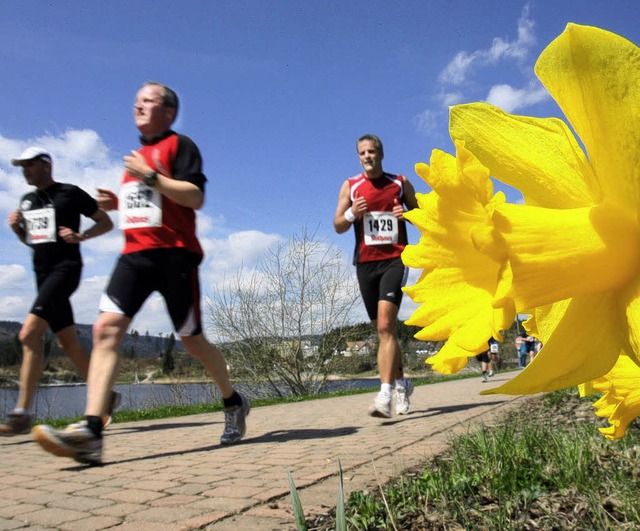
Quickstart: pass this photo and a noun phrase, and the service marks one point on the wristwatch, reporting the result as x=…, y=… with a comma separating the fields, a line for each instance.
x=151, y=179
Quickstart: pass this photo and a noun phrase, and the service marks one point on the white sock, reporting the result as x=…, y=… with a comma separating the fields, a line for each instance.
x=19, y=411
x=401, y=382
x=385, y=388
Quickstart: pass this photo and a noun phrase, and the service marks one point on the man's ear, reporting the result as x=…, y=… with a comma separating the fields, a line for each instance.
x=171, y=114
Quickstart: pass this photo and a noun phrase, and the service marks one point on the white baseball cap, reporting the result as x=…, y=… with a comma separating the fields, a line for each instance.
x=32, y=153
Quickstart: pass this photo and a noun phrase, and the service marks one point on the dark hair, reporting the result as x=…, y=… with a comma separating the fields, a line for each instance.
x=169, y=96
x=376, y=142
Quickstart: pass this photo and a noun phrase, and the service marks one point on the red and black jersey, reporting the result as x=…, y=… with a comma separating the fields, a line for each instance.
x=380, y=194
x=177, y=157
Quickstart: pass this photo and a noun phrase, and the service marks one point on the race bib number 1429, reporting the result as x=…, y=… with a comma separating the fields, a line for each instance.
x=380, y=228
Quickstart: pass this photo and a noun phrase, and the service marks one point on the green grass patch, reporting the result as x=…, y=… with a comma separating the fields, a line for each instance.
x=543, y=468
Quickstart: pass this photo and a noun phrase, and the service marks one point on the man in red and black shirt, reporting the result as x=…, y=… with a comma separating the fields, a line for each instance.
x=373, y=203
x=162, y=186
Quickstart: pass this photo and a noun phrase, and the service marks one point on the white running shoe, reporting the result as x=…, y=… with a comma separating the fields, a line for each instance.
x=76, y=441
x=402, y=394
x=235, y=425
x=381, y=407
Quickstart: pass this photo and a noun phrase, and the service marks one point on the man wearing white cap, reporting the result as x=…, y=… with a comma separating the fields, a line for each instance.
x=48, y=221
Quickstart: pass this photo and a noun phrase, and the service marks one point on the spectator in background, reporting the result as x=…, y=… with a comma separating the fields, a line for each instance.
x=522, y=345
x=494, y=356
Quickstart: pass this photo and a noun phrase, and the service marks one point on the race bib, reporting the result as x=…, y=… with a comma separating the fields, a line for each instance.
x=40, y=225
x=380, y=228
x=139, y=206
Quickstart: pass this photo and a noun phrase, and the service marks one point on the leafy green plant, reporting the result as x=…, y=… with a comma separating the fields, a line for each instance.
x=298, y=511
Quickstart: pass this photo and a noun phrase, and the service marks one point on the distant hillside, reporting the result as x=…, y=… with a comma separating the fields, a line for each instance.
x=135, y=344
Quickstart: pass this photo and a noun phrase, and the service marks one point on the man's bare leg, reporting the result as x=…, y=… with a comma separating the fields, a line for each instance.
x=108, y=332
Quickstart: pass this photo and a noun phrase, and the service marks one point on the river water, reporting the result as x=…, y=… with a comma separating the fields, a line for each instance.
x=62, y=401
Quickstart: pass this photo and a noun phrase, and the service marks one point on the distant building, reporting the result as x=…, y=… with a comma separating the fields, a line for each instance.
x=358, y=348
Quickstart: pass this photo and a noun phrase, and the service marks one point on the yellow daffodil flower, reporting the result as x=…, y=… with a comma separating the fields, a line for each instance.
x=577, y=238
x=458, y=281
x=573, y=249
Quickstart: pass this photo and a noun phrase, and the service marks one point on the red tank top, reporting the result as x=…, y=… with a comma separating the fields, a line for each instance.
x=379, y=236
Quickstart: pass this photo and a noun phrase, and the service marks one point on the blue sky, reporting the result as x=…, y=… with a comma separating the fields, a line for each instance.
x=273, y=92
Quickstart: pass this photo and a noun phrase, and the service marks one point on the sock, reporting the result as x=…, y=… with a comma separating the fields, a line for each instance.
x=401, y=382
x=385, y=388
x=95, y=424
x=19, y=411
x=233, y=400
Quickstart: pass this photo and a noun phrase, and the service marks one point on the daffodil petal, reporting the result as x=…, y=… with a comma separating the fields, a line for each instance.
x=588, y=325
x=594, y=76
x=630, y=299
x=539, y=156
x=558, y=254
x=456, y=287
x=451, y=358
x=620, y=402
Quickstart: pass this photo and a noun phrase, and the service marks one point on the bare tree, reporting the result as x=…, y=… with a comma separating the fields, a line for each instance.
x=272, y=321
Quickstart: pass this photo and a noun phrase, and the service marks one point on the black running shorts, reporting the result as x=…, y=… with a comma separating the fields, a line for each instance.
x=381, y=280
x=171, y=272
x=55, y=287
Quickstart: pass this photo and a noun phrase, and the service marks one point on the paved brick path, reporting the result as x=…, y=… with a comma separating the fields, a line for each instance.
x=173, y=474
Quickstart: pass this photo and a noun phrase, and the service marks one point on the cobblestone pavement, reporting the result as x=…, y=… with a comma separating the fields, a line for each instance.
x=173, y=473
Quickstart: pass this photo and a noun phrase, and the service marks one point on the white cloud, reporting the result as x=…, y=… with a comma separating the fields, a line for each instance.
x=464, y=62
x=240, y=248
x=14, y=308
x=451, y=98
x=511, y=99
x=427, y=121
x=12, y=275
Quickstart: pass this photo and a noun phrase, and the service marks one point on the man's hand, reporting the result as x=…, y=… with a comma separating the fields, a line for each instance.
x=106, y=199
x=15, y=220
x=359, y=205
x=68, y=235
x=136, y=165
x=398, y=209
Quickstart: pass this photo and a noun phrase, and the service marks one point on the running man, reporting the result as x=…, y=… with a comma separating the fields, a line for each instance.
x=162, y=186
x=373, y=203
x=48, y=221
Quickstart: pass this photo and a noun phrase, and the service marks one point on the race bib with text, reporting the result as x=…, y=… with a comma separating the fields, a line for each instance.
x=40, y=225
x=139, y=206
x=380, y=228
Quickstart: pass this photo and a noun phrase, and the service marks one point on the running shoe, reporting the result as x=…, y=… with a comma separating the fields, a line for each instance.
x=116, y=399
x=76, y=441
x=484, y=378
x=491, y=373
x=381, y=407
x=235, y=422
x=17, y=424
x=402, y=394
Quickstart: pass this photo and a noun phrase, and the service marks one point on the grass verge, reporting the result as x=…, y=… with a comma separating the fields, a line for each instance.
x=544, y=468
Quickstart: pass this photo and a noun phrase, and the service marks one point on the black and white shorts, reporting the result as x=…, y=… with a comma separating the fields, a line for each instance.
x=171, y=272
